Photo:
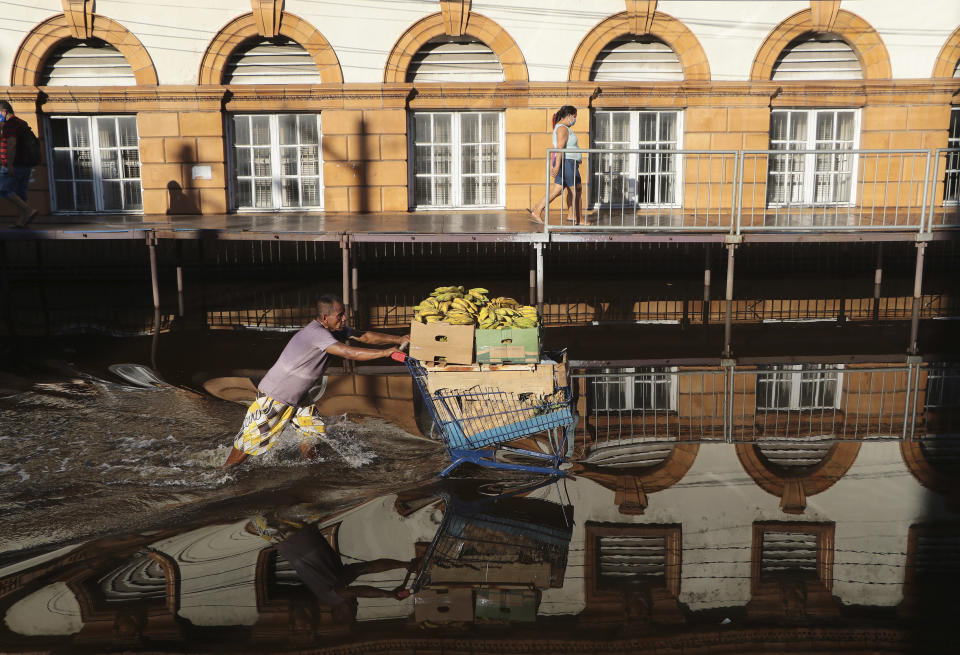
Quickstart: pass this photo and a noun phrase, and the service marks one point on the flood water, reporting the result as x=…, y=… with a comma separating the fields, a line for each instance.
x=806, y=497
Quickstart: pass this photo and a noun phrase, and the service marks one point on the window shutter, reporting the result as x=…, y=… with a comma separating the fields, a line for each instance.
x=283, y=572
x=634, y=455
x=818, y=57
x=142, y=577
x=645, y=60
x=88, y=63
x=791, y=553
x=272, y=61
x=937, y=556
x=632, y=560
x=797, y=453
x=468, y=61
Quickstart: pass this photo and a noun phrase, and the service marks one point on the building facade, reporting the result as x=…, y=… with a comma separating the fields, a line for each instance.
x=401, y=106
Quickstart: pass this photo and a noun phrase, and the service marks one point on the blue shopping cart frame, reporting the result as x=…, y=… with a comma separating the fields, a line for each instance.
x=475, y=425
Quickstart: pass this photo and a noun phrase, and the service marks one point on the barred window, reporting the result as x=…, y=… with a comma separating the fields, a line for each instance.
x=457, y=159
x=634, y=389
x=635, y=179
x=276, y=161
x=807, y=386
x=96, y=163
x=812, y=179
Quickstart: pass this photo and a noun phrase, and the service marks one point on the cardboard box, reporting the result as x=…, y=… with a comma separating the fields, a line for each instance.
x=537, y=574
x=527, y=378
x=510, y=345
x=441, y=342
x=506, y=605
x=443, y=605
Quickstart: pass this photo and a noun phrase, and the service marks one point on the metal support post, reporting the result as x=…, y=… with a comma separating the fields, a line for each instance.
x=917, y=294
x=179, y=291
x=533, y=274
x=345, y=270
x=539, y=251
x=728, y=311
x=154, y=282
x=355, y=294
x=706, y=286
x=877, y=282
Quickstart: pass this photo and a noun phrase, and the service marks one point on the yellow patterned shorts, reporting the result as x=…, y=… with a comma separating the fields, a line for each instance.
x=266, y=419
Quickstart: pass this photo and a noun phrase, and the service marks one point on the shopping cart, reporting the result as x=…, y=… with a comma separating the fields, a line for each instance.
x=475, y=424
x=507, y=541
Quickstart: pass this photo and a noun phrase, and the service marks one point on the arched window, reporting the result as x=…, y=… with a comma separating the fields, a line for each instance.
x=637, y=59
x=271, y=61
x=92, y=62
x=817, y=56
x=445, y=59
x=140, y=578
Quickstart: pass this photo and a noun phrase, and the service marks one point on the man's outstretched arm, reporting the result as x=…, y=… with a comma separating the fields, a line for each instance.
x=380, y=339
x=360, y=354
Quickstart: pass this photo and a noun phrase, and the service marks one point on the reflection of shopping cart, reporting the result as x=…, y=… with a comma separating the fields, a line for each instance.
x=474, y=424
x=512, y=541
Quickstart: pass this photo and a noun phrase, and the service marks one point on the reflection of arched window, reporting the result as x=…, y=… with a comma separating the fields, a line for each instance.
x=636, y=59
x=792, y=571
x=817, y=56
x=141, y=578
x=91, y=62
x=932, y=570
x=446, y=59
x=271, y=61
x=633, y=570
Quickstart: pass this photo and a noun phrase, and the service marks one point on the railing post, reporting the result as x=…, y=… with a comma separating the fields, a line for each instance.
x=738, y=195
x=877, y=282
x=546, y=194
x=926, y=192
x=728, y=394
x=533, y=274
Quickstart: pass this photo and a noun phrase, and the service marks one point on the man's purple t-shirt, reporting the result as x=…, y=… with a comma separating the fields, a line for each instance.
x=302, y=362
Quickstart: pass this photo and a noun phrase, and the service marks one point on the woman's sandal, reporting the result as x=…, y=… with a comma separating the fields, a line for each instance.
x=534, y=217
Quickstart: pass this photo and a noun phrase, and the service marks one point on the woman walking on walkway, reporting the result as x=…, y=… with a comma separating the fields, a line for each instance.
x=565, y=169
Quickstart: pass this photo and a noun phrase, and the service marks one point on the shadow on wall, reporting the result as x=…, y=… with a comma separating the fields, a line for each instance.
x=179, y=201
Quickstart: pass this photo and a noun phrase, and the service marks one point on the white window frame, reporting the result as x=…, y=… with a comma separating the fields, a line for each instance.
x=631, y=173
x=793, y=375
x=96, y=164
x=809, y=173
x=456, y=175
x=277, y=176
x=628, y=379
x=953, y=141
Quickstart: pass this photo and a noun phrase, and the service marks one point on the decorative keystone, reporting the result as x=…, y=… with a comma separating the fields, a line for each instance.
x=823, y=14
x=267, y=15
x=455, y=14
x=79, y=15
x=640, y=15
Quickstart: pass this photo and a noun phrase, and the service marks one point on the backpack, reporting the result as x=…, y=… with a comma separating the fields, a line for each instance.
x=28, y=148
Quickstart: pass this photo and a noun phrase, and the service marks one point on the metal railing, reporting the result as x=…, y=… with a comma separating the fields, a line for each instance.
x=729, y=191
x=792, y=411
x=631, y=189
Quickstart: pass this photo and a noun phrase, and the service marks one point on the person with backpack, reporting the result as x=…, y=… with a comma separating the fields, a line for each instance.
x=18, y=155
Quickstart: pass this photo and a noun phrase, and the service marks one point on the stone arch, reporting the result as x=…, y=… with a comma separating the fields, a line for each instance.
x=793, y=487
x=43, y=39
x=478, y=26
x=631, y=485
x=245, y=27
x=949, y=56
x=858, y=33
x=664, y=27
x=925, y=472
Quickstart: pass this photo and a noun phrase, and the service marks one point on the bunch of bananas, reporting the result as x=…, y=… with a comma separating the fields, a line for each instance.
x=458, y=306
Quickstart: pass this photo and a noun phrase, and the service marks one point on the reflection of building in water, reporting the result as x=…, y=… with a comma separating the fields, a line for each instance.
x=713, y=537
